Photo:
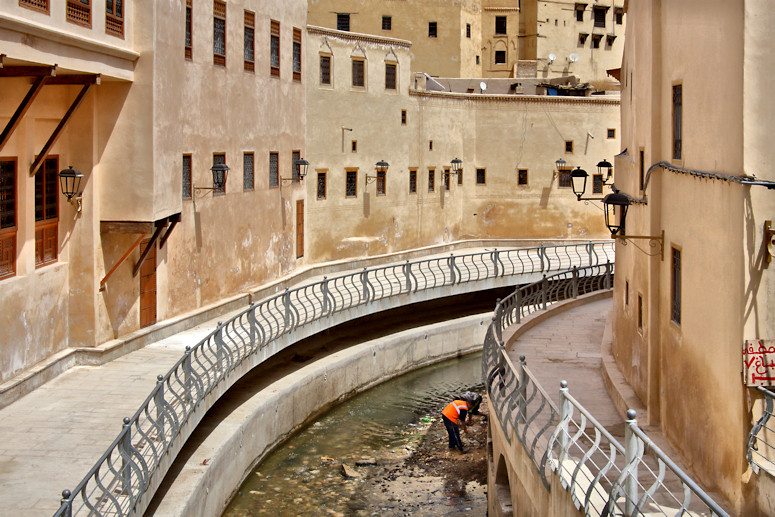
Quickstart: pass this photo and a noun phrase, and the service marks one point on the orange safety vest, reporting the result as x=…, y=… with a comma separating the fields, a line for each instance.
x=452, y=411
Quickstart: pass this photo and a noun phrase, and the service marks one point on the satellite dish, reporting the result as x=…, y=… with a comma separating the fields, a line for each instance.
x=573, y=58
x=552, y=57
x=483, y=86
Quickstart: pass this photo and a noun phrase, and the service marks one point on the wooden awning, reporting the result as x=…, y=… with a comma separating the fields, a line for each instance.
x=615, y=73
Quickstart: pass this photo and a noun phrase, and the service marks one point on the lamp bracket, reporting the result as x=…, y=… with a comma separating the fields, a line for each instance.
x=769, y=241
x=291, y=180
x=77, y=202
x=370, y=179
x=656, y=242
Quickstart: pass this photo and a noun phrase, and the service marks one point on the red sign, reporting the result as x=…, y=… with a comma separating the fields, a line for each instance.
x=759, y=362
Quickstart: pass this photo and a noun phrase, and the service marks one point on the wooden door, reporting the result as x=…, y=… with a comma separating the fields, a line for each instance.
x=148, y=287
x=299, y=228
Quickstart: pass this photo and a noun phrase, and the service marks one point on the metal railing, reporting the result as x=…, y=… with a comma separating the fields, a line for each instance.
x=118, y=483
x=760, y=450
x=602, y=476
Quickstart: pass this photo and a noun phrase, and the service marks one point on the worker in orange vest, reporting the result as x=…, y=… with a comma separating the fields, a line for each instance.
x=454, y=416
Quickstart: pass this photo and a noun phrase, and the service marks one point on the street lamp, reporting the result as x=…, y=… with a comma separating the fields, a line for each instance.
x=70, y=184
x=610, y=202
x=604, y=168
x=302, y=165
x=578, y=181
x=220, y=174
x=382, y=167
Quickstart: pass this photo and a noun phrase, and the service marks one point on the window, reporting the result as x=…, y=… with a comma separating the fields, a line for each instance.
x=640, y=312
x=390, y=76
x=583, y=37
x=35, y=5
x=296, y=54
x=412, y=181
x=675, y=287
x=626, y=292
x=403, y=117
x=321, y=185
x=248, y=176
x=500, y=57
x=580, y=12
x=189, y=47
x=677, y=116
x=250, y=41
x=343, y=21
x=387, y=23
x=460, y=177
x=611, y=133
x=325, y=69
x=446, y=178
x=381, y=183
x=186, y=176
x=358, y=73
x=431, y=180
x=522, y=177
x=564, y=180
x=430, y=145
x=8, y=218
x=432, y=29
x=46, y=212
x=79, y=12
x=481, y=176
x=569, y=146
x=219, y=33
x=500, y=25
x=597, y=183
x=354, y=146
x=114, y=18
x=619, y=15
x=599, y=13
x=295, y=156
x=477, y=60
x=642, y=167
x=468, y=30
x=596, y=40
x=219, y=158
x=274, y=48
x=274, y=172
x=351, y=183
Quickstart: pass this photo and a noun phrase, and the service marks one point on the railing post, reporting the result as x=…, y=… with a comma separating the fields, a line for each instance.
x=518, y=304
x=364, y=284
x=544, y=292
x=66, y=504
x=575, y=282
x=253, y=326
x=608, y=275
x=407, y=267
x=219, y=345
x=565, y=413
x=158, y=400
x=325, y=295
x=124, y=446
x=630, y=454
x=541, y=254
x=451, y=263
x=287, y=306
x=522, y=389
x=589, y=253
x=495, y=262
x=187, y=374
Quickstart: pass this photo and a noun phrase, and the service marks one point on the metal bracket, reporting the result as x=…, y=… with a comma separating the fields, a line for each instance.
x=769, y=241
x=654, y=241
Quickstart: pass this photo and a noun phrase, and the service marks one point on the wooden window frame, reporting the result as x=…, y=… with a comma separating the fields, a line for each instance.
x=47, y=228
x=219, y=158
x=504, y=21
x=8, y=235
x=249, y=41
x=446, y=175
x=274, y=177
x=322, y=174
x=299, y=228
x=297, y=55
x=353, y=146
x=431, y=179
x=187, y=194
x=114, y=21
x=248, y=182
x=563, y=178
x=329, y=59
x=481, y=176
x=188, y=41
x=381, y=183
x=219, y=14
x=677, y=119
x=295, y=169
x=569, y=147
x=388, y=65
x=597, y=22
x=41, y=6
x=274, y=45
x=675, y=285
x=520, y=174
x=597, y=183
x=78, y=13
x=413, y=181
x=351, y=172
x=355, y=74
x=611, y=133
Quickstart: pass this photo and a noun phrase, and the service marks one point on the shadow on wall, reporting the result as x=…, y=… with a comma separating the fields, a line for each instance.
x=122, y=290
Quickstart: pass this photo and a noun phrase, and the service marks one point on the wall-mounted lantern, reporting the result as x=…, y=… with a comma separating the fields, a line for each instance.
x=70, y=183
x=220, y=174
x=382, y=168
x=559, y=164
x=610, y=202
x=605, y=169
x=578, y=181
x=299, y=173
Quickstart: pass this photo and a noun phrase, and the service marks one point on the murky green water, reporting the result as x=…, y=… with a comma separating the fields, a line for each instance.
x=385, y=423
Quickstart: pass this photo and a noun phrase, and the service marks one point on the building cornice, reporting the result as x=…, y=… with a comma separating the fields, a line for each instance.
x=551, y=99
x=357, y=36
x=501, y=9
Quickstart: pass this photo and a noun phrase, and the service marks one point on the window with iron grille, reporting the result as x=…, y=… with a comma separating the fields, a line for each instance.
x=295, y=156
x=189, y=52
x=36, y=5
x=249, y=50
x=677, y=120
x=186, y=172
x=642, y=167
x=500, y=57
x=274, y=172
x=343, y=21
x=390, y=76
x=500, y=25
x=358, y=73
x=219, y=159
x=296, y=54
x=522, y=177
x=321, y=185
x=354, y=146
x=460, y=177
x=481, y=176
x=274, y=48
x=446, y=178
x=412, y=181
x=79, y=12
x=564, y=180
x=387, y=23
x=611, y=133
x=381, y=183
x=432, y=29
x=431, y=180
x=351, y=183
x=325, y=69
x=114, y=17
x=675, y=287
x=597, y=183
x=46, y=212
x=468, y=30
x=248, y=175
x=7, y=218
x=219, y=33
x=599, y=13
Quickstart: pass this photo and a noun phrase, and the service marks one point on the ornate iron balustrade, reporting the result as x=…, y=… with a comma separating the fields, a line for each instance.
x=760, y=450
x=148, y=442
x=602, y=476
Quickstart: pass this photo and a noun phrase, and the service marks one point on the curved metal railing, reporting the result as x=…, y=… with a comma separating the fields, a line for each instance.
x=602, y=476
x=118, y=482
x=760, y=450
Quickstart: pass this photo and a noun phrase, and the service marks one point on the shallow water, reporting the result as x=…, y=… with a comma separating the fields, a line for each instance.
x=304, y=477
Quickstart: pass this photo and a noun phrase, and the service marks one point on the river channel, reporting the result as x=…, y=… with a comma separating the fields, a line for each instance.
x=372, y=433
